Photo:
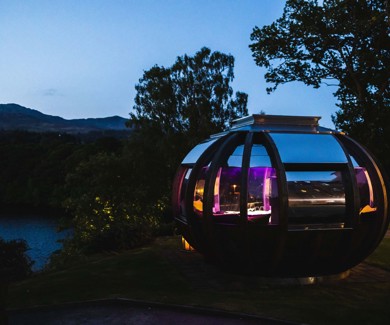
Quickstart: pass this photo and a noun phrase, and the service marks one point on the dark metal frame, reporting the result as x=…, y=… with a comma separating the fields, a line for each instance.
x=358, y=236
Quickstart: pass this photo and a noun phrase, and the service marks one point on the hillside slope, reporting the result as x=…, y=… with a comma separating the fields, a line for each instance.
x=16, y=117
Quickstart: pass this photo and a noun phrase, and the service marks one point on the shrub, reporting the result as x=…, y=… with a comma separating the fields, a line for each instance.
x=106, y=226
x=100, y=225
x=14, y=263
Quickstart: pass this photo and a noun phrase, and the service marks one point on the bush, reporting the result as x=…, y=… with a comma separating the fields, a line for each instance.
x=14, y=263
x=100, y=225
x=118, y=201
x=109, y=226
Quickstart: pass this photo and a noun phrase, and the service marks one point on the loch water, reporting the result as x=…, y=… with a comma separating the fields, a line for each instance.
x=40, y=233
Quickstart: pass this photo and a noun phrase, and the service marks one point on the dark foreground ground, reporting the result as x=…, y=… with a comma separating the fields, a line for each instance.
x=205, y=278
x=124, y=311
x=130, y=312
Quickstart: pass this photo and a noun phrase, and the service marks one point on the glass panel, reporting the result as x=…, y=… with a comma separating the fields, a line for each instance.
x=227, y=187
x=235, y=160
x=366, y=178
x=261, y=192
x=365, y=191
x=183, y=190
x=262, y=186
x=227, y=191
x=259, y=156
x=195, y=153
x=199, y=192
x=316, y=196
x=354, y=162
x=308, y=148
x=365, y=188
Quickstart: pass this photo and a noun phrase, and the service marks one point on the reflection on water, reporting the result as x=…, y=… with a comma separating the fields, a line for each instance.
x=40, y=233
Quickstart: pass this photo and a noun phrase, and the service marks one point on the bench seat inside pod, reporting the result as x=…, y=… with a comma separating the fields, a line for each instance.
x=281, y=196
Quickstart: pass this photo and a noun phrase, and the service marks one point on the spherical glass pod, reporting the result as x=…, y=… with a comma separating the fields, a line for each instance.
x=281, y=196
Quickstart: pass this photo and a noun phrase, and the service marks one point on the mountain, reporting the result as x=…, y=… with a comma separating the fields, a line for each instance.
x=16, y=117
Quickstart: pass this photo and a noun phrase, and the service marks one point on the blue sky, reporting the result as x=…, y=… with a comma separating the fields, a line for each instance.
x=80, y=59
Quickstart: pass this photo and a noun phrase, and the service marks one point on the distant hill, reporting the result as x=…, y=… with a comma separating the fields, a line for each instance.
x=16, y=117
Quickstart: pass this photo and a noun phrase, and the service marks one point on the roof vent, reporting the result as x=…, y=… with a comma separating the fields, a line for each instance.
x=286, y=120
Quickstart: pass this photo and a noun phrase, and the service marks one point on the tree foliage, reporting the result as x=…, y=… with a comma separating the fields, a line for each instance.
x=175, y=108
x=111, y=205
x=191, y=99
x=14, y=263
x=35, y=165
x=341, y=42
x=118, y=191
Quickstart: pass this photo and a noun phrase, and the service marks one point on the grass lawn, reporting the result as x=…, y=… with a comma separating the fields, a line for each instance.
x=153, y=274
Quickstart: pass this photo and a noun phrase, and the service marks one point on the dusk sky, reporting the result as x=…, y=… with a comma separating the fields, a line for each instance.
x=79, y=59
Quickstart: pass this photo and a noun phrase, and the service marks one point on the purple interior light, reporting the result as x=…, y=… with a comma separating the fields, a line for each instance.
x=364, y=186
x=259, y=191
x=228, y=187
x=266, y=188
x=227, y=191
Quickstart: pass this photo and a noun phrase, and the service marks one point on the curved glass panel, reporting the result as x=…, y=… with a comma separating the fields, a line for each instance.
x=365, y=188
x=370, y=191
x=316, y=196
x=199, y=191
x=235, y=160
x=227, y=187
x=308, y=148
x=262, y=191
x=262, y=186
x=366, y=192
x=227, y=191
x=195, y=153
x=182, y=191
x=259, y=156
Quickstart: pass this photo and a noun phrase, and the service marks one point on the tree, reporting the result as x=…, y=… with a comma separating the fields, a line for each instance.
x=112, y=207
x=185, y=103
x=14, y=263
x=344, y=43
x=175, y=108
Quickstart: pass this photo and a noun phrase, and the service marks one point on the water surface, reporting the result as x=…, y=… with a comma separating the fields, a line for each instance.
x=39, y=232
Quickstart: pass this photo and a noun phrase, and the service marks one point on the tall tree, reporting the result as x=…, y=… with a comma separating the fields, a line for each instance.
x=193, y=98
x=341, y=42
x=175, y=108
